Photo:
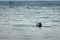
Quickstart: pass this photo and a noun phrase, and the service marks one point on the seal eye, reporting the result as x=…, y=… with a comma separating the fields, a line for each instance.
x=39, y=24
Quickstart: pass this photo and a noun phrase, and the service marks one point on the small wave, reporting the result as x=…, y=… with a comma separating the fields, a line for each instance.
x=56, y=21
x=3, y=37
x=32, y=3
x=46, y=26
x=20, y=25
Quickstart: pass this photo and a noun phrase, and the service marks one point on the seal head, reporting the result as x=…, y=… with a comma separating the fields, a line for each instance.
x=39, y=24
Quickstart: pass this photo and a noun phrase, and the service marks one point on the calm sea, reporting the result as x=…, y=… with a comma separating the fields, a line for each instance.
x=18, y=20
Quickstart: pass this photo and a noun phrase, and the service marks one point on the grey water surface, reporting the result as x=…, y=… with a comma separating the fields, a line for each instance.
x=18, y=20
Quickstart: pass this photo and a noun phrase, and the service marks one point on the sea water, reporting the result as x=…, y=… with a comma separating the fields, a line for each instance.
x=18, y=20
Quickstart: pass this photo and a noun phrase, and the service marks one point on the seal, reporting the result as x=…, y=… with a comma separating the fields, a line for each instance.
x=39, y=24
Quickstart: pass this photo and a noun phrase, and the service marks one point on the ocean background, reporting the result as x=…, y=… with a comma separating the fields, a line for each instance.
x=18, y=20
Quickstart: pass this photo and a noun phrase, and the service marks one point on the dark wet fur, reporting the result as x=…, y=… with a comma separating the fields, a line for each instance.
x=39, y=24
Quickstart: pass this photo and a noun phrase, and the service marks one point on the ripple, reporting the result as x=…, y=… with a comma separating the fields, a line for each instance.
x=56, y=21
x=3, y=37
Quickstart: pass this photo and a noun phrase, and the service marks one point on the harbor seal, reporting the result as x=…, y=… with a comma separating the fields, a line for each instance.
x=39, y=24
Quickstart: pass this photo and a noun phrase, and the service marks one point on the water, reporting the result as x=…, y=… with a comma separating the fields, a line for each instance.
x=18, y=22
